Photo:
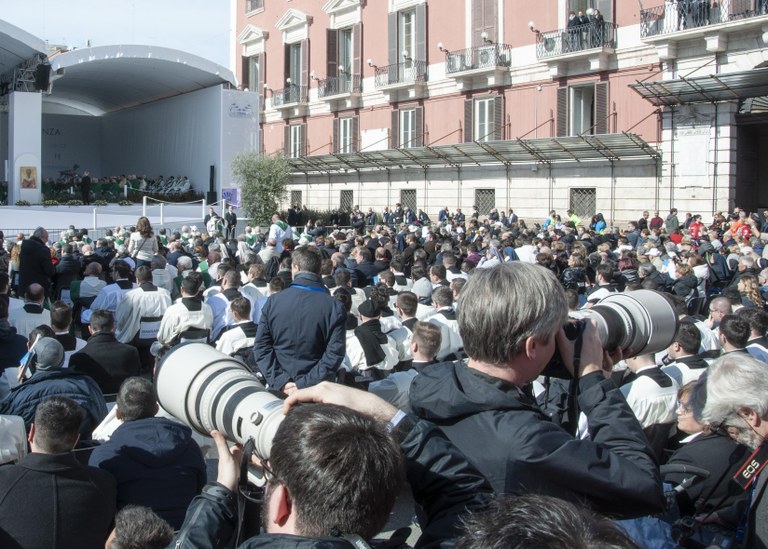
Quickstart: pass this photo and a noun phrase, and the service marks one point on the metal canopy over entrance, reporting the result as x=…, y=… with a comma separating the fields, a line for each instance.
x=588, y=148
x=705, y=89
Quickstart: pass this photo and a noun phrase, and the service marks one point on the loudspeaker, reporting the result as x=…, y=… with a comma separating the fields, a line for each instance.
x=42, y=77
x=212, y=180
x=210, y=197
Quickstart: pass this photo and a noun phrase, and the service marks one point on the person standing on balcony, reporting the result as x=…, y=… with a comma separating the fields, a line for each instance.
x=597, y=25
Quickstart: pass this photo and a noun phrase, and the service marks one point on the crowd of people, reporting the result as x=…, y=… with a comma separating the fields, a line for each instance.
x=405, y=349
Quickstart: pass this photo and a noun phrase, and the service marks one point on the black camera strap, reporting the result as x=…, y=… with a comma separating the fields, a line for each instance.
x=242, y=487
x=573, y=390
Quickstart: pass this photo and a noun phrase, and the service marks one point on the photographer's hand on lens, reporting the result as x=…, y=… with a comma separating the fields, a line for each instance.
x=592, y=356
x=290, y=388
x=229, y=461
x=341, y=395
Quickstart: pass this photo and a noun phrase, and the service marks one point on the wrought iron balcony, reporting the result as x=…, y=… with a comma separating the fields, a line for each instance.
x=581, y=38
x=490, y=56
x=691, y=14
x=338, y=85
x=290, y=95
x=406, y=72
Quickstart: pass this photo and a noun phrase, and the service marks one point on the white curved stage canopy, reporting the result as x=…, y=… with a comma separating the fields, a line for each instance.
x=17, y=46
x=106, y=79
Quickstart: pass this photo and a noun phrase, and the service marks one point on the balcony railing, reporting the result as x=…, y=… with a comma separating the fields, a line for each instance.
x=575, y=39
x=480, y=57
x=690, y=14
x=401, y=73
x=289, y=95
x=338, y=85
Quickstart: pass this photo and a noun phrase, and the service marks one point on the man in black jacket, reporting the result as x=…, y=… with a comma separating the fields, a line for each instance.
x=105, y=359
x=485, y=407
x=49, y=499
x=334, y=472
x=230, y=222
x=35, y=264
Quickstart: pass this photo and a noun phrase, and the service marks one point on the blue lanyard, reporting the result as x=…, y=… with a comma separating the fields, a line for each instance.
x=308, y=288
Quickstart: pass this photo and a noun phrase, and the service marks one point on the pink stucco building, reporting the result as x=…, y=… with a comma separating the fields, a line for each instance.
x=504, y=102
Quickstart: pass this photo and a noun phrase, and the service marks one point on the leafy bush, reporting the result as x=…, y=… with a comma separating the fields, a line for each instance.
x=100, y=203
x=74, y=202
x=125, y=202
x=263, y=184
x=22, y=203
x=49, y=203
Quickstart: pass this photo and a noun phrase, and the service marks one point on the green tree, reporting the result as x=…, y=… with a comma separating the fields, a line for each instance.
x=263, y=184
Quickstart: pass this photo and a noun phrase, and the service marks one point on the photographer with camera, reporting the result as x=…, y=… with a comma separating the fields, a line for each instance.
x=335, y=469
x=511, y=318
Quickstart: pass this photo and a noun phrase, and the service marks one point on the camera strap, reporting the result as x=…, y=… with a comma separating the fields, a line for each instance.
x=242, y=487
x=755, y=463
x=573, y=403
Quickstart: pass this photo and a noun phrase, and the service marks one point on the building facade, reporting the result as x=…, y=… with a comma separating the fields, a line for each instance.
x=430, y=103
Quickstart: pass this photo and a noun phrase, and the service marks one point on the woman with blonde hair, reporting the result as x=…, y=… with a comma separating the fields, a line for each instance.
x=749, y=288
x=142, y=245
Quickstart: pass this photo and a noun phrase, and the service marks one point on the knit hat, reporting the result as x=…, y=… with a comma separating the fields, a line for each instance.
x=50, y=354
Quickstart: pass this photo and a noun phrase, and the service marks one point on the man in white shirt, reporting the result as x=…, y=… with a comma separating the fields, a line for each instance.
x=652, y=395
x=445, y=318
x=242, y=333
x=61, y=319
x=279, y=230
x=32, y=314
x=686, y=365
x=111, y=295
x=188, y=313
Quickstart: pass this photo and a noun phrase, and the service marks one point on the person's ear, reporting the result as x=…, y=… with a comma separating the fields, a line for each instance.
x=531, y=347
x=750, y=416
x=31, y=436
x=280, y=506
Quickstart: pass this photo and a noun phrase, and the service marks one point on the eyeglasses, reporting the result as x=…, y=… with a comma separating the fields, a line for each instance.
x=684, y=407
x=269, y=474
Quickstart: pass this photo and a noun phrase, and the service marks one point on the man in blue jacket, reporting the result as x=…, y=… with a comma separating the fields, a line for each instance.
x=301, y=336
x=154, y=460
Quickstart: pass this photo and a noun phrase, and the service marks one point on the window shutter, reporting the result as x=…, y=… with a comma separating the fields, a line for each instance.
x=262, y=146
x=287, y=140
x=490, y=18
x=392, y=38
x=304, y=64
x=477, y=22
x=262, y=79
x=469, y=106
x=246, y=72
x=303, y=148
x=355, y=134
x=357, y=55
x=498, y=117
x=286, y=64
x=418, y=122
x=562, y=111
x=394, y=135
x=336, y=136
x=332, y=67
x=421, y=34
x=601, y=108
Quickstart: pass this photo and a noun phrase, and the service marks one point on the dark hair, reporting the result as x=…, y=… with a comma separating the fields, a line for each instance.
x=542, y=522
x=41, y=331
x=57, y=424
x=190, y=285
x=756, y=318
x=137, y=399
x=102, y=320
x=735, y=330
x=241, y=306
x=5, y=280
x=122, y=268
x=342, y=468
x=61, y=315
x=387, y=277
x=143, y=273
x=408, y=302
x=688, y=337
x=442, y=296
x=418, y=271
x=140, y=528
x=307, y=258
x=35, y=292
x=438, y=271
x=276, y=284
x=342, y=277
x=344, y=296
x=605, y=270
